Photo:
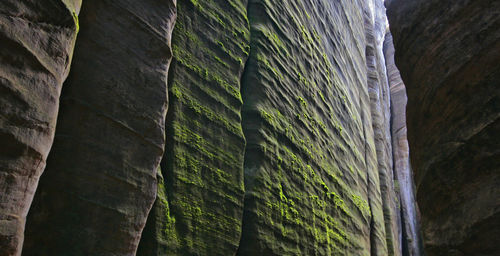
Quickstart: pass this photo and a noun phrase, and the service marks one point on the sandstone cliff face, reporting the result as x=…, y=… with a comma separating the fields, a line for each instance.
x=311, y=179
x=449, y=57
x=100, y=179
x=379, y=93
x=36, y=46
x=200, y=203
x=409, y=231
x=274, y=126
x=317, y=142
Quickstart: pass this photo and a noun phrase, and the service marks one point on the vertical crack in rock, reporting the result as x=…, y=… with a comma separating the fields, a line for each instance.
x=244, y=92
x=100, y=180
x=37, y=41
x=378, y=88
x=199, y=207
x=411, y=240
x=154, y=240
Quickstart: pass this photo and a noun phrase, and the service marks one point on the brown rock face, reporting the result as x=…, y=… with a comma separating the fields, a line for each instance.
x=449, y=56
x=379, y=93
x=284, y=134
x=409, y=231
x=100, y=179
x=36, y=45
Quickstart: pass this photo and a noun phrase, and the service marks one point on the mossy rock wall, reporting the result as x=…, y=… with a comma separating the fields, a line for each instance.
x=311, y=176
x=200, y=203
x=271, y=147
x=267, y=134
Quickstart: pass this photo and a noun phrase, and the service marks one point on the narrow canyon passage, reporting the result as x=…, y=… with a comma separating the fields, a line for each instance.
x=249, y=127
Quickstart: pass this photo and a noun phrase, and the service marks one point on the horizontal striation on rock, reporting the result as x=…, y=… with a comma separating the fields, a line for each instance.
x=200, y=204
x=311, y=176
x=36, y=47
x=100, y=179
x=448, y=53
x=284, y=134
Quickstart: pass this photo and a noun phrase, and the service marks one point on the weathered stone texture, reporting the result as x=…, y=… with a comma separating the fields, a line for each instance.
x=448, y=53
x=200, y=203
x=100, y=179
x=312, y=159
x=409, y=231
x=379, y=93
x=281, y=137
x=36, y=47
x=312, y=182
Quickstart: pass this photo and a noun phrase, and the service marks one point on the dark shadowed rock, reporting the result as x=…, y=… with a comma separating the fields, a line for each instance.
x=36, y=47
x=448, y=53
x=100, y=180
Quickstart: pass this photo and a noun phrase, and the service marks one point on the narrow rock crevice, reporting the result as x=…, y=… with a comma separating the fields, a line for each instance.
x=153, y=241
x=243, y=92
x=375, y=25
x=410, y=230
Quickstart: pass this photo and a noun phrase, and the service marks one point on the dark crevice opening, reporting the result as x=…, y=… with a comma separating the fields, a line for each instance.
x=244, y=117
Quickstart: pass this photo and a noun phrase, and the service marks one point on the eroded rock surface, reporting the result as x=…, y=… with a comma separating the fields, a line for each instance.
x=100, y=179
x=448, y=53
x=312, y=158
x=311, y=166
x=409, y=232
x=36, y=47
x=277, y=139
x=200, y=201
x=380, y=104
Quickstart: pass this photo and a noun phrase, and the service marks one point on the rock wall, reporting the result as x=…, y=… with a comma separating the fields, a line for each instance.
x=449, y=56
x=274, y=125
x=317, y=140
x=201, y=204
x=409, y=231
x=37, y=41
x=311, y=180
x=100, y=180
x=380, y=104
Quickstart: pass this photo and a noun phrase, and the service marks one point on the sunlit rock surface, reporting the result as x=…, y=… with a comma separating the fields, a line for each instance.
x=410, y=234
